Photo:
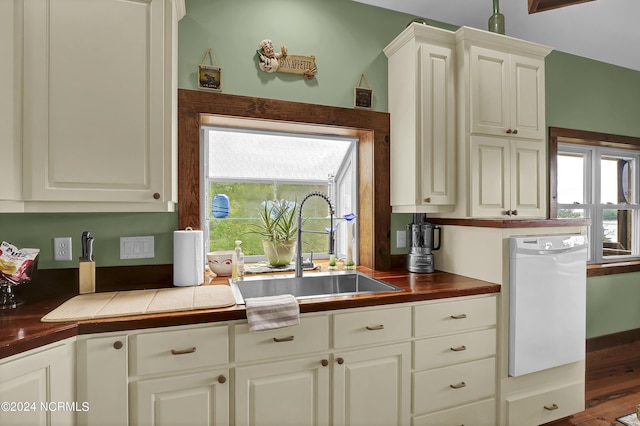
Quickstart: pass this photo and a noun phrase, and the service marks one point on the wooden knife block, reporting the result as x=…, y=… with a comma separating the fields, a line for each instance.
x=87, y=276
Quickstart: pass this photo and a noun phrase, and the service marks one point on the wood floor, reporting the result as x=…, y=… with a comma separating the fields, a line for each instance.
x=612, y=385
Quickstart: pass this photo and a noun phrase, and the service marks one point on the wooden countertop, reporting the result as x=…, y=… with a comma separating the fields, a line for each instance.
x=22, y=330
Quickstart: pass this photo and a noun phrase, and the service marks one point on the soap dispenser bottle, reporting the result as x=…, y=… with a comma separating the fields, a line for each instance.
x=237, y=267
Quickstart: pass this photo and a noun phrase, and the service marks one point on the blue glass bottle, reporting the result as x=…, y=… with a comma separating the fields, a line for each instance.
x=220, y=206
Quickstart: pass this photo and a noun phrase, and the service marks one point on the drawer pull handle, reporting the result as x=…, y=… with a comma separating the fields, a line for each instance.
x=459, y=348
x=459, y=316
x=183, y=351
x=118, y=344
x=551, y=407
x=458, y=385
x=340, y=361
x=221, y=379
x=324, y=362
x=375, y=327
x=283, y=339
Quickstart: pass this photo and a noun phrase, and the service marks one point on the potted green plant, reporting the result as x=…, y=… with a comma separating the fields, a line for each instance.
x=278, y=226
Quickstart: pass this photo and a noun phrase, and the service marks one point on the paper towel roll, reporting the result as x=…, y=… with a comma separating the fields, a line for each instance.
x=188, y=258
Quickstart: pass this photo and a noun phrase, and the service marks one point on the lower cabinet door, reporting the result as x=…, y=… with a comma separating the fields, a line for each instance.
x=199, y=399
x=372, y=386
x=37, y=388
x=294, y=392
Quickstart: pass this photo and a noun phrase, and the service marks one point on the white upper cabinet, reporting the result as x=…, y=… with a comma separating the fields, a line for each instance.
x=11, y=106
x=507, y=94
x=100, y=105
x=422, y=107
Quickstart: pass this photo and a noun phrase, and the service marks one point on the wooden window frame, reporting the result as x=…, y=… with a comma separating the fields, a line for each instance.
x=371, y=127
x=584, y=137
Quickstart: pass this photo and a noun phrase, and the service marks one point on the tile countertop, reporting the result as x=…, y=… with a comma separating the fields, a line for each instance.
x=22, y=330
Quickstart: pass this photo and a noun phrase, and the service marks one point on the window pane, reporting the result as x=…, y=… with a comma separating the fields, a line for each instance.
x=617, y=232
x=616, y=180
x=245, y=202
x=570, y=213
x=570, y=178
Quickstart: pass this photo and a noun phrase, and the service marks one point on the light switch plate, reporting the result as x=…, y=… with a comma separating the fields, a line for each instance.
x=137, y=247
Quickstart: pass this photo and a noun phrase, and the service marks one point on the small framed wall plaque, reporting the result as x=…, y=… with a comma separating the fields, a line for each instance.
x=209, y=76
x=362, y=96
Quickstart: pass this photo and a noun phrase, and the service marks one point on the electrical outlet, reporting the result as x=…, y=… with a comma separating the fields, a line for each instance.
x=401, y=239
x=62, y=248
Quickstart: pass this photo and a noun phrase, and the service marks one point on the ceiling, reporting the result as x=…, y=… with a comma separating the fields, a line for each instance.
x=604, y=30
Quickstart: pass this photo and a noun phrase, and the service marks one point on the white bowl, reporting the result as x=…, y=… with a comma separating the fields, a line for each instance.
x=220, y=262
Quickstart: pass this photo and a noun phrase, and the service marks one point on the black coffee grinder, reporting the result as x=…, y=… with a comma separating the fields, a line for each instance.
x=422, y=244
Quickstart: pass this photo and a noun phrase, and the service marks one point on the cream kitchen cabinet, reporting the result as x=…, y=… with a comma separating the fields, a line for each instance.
x=422, y=68
x=102, y=370
x=372, y=367
x=34, y=384
x=506, y=93
x=11, y=106
x=283, y=375
x=364, y=375
x=99, y=105
x=454, y=362
x=293, y=392
x=501, y=126
x=180, y=376
x=507, y=177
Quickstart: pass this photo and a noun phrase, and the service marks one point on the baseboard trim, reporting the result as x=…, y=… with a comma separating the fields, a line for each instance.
x=612, y=340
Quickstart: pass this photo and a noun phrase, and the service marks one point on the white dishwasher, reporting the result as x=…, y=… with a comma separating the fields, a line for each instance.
x=547, y=301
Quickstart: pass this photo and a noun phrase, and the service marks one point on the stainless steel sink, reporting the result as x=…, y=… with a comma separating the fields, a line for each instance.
x=309, y=286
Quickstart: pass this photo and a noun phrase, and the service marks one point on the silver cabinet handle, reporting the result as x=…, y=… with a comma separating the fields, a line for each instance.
x=460, y=316
x=183, y=351
x=459, y=348
x=458, y=385
x=283, y=339
x=551, y=407
x=375, y=327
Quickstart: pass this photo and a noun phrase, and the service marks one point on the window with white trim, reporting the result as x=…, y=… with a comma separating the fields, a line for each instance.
x=601, y=183
x=253, y=167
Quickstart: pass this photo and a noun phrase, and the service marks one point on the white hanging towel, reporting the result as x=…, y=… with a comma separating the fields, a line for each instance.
x=271, y=312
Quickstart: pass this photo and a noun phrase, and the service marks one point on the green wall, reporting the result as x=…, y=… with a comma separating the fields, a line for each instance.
x=590, y=95
x=347, y=39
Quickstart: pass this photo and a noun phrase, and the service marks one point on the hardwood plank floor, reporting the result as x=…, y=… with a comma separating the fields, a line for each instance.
x=612, y=386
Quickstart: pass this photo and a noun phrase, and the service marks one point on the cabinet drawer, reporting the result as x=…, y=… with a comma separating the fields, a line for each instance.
x=450, y=386
x=453, y=349
x=546, y=406
x=371, y=327
x=450, y=317
x=312, y=335
x=164, y=351
x=481, y=413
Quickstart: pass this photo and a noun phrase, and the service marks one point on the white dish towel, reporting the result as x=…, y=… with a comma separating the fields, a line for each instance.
x=271, y=312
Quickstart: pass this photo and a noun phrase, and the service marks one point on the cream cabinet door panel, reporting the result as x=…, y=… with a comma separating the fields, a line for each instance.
x=294, y=392
x=11, y=105
x=102, y=380
x=29, y=382
x=97, y=113
x=528, y=183
x=199, y=399
x=490, y=187
x=489, y=79
x=372, y=386
x=528, y=97
x=437, y=146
